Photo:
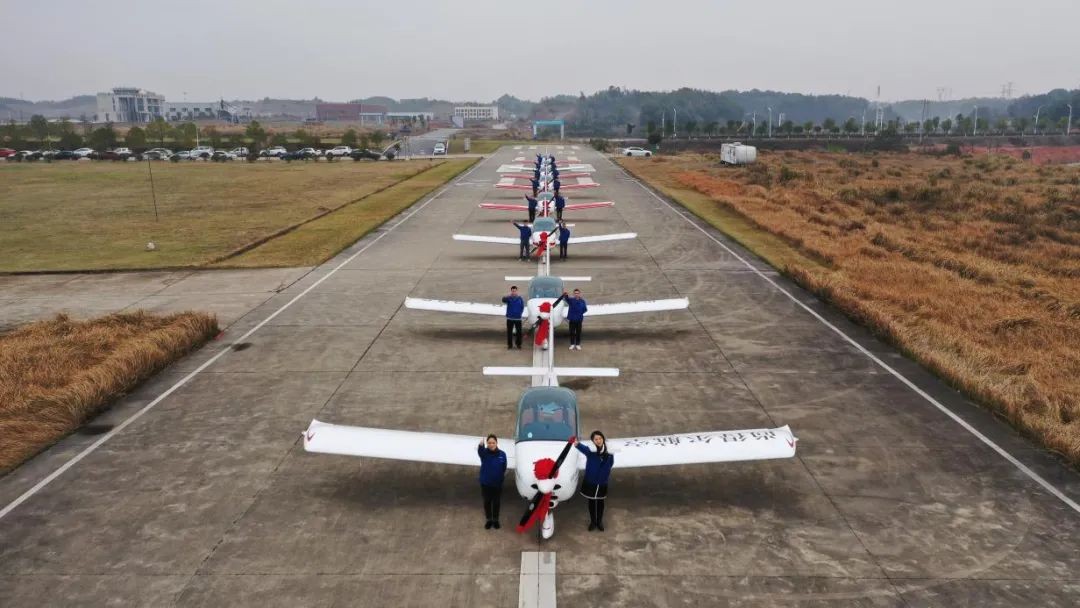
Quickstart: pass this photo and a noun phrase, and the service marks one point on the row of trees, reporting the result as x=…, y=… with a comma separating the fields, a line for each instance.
x=65, y=135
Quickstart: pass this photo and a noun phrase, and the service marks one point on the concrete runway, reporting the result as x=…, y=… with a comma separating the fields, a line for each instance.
x=209, y=500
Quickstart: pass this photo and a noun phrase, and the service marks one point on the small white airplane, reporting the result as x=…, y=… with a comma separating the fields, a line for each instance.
x=547, y=418
x=544, y=231
x=547, y=176
x=546, y=206
x=546, y=290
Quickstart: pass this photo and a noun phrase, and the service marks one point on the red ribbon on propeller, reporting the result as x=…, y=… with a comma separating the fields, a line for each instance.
x=541, y=333
x=542, y=247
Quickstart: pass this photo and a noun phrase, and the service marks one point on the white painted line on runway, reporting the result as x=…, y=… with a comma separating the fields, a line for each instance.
x=149, y=406
x=986, y=440
x=536, y=586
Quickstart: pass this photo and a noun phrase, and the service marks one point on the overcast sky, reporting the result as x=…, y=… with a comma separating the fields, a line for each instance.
x=479, y=49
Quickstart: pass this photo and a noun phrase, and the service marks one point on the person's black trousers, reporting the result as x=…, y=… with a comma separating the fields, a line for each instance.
x=562, y=250
x=532, y=214
x=513, y=325
x=524, y=253
x=596, y=511
x=558, y=214
x=575, y=333
x=492, y=500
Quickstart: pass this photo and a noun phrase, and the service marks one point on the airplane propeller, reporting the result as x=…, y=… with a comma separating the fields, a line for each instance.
x=545, y=470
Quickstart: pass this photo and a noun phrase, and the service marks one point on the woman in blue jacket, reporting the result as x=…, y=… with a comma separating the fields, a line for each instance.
x=492, y=472
x=597, y=471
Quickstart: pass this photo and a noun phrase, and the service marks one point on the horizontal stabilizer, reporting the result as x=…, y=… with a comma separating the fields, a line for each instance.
x=523, y=278
x=598, y=372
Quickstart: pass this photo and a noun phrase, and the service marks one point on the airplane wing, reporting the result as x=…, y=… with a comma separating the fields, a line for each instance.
x=472, y=308
x=577, y=240
x=595, y=205
x=504, y=207
x=576, y=186
x=691, y=448
x=505, y=240
x=596, y=310
x=514, y=187
x=325, y=438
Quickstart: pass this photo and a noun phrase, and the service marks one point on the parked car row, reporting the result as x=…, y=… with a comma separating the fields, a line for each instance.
x=198, y=153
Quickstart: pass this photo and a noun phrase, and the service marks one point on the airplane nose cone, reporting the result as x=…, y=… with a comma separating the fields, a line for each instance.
x=545, y=486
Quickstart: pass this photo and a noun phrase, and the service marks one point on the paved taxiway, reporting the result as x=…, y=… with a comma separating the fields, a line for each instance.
x=208, y=499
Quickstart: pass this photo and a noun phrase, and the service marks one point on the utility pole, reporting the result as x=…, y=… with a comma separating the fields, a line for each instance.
x=1068, y=126
x=753, y=119
x=663, y=126
x=975, y=123
x=770, y=121
x=675, y=124
x=862, y=131
x=1036, y=128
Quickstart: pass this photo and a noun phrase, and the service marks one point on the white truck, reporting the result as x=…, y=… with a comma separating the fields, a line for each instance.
x=737, y=154
x=339, y=151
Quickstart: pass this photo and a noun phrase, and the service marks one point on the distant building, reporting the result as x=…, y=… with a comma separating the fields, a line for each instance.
x=206, y=110
x=364, y=113
x=129, y=105
x=477, y=112
x=416, y=115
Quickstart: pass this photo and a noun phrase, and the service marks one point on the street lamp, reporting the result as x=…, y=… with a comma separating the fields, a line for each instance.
x=1037, y=110
x=770, y=121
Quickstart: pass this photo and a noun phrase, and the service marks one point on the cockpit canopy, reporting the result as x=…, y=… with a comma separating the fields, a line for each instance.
x=544, y=224
x=547, y=413
x=545, y=287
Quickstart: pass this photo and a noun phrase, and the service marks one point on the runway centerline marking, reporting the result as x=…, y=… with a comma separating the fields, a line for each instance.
x=149, y=406
x=1046, y=485
x=536, y=585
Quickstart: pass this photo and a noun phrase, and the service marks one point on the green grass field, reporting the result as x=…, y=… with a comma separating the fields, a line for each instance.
x=100, y=216
x=319, y=240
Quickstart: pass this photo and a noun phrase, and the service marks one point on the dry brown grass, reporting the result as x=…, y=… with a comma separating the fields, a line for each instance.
x=56, y=374
x=972, y=266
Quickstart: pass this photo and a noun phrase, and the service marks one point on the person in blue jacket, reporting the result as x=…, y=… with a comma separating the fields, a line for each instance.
x=575, y=314
x=525, y=232
x=555, y=185
x=515, y=307
x=492, y=472
x=594, y=486
x=535, y=186
x=564, y=239
x=560, y=203
x=532, y=207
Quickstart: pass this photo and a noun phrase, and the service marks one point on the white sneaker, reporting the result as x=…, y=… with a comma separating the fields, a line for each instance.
x=571, y=347
x=578, y=347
